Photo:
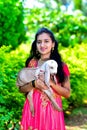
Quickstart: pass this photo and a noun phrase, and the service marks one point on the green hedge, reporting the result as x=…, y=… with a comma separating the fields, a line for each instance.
x=12, y=31
x=76, y=60
x=11, y=101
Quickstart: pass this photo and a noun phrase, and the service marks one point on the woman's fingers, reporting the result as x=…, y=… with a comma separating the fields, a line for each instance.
x=41, y=76
x=40, y=84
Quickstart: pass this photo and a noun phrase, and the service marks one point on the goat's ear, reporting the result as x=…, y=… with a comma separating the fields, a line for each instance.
x=55, y=79
x=47, y=74
x=47, y=68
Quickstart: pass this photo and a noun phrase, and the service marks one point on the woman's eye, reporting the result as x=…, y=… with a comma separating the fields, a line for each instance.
x=38, y=42
x=46, y=41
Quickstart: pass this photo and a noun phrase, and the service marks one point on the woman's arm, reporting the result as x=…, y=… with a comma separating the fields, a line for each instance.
x=39, y=84
x=26, y=88
x=64, y=89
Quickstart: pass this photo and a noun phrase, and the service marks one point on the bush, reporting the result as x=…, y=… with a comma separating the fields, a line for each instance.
x=76, y=60
x=11, y=101
x=11, y=23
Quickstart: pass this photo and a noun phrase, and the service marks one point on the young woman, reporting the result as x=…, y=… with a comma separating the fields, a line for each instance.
x=45, y=47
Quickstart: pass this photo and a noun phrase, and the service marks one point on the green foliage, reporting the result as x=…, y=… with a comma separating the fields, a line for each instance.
x=11, y=23
x=11, y=101
x=69, y=29
x=78, y=4
x=76, y=60
x=79, y=111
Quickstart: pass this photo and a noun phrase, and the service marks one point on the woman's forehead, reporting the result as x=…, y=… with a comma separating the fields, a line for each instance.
x=43, y=36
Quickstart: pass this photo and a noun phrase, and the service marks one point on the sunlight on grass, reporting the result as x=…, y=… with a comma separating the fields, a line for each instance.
x=75, y=128
x=77, y=120
x=85, y=101
x=68, y=112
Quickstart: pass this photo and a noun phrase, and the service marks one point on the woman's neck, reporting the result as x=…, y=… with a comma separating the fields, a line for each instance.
x=41, y=61
x=45, y=57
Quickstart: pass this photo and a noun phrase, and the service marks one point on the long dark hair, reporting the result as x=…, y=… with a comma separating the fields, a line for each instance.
x=54, y=54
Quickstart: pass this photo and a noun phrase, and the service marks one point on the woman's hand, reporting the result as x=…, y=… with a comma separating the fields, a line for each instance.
x=62, y=89
x=39, y=83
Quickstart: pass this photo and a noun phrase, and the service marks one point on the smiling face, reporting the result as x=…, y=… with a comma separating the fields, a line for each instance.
x=44, y=45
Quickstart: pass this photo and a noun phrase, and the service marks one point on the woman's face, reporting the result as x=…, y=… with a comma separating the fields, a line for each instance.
x=44, y=45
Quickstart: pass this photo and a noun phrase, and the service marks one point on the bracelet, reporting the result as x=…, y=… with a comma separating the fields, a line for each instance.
x=33, y=83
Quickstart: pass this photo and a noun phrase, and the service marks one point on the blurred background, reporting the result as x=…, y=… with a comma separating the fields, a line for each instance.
x=19, y=21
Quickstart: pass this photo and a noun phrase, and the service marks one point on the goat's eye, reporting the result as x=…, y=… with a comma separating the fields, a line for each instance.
x=51, y=67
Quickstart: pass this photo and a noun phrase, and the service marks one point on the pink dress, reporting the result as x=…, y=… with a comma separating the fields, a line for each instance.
x=46, y=117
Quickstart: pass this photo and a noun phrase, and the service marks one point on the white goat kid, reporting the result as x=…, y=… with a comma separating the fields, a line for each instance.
x=29, y=74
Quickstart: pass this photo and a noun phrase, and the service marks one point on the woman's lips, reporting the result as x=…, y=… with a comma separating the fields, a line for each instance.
x=42, y=49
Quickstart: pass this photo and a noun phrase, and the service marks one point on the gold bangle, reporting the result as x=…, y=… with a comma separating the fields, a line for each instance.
x=33, y=83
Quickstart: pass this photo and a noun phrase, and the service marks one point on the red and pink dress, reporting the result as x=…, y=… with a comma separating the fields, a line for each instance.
x=46, y=117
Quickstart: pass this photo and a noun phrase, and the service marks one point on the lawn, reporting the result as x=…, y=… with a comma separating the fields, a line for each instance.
x=77, y=119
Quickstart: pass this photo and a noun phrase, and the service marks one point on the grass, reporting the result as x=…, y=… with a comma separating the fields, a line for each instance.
x=76, y=119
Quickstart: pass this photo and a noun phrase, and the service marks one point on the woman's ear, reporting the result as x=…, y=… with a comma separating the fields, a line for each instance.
x=53, y=45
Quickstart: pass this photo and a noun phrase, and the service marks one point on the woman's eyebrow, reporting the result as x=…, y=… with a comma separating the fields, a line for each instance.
x=43, y=39
x=39, y=40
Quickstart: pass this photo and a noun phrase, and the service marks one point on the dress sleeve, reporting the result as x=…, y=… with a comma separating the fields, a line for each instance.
x=33, y=63
x=66, y=70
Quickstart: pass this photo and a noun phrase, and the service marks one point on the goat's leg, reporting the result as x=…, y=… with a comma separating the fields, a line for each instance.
x=30, y=98
x=50, y=95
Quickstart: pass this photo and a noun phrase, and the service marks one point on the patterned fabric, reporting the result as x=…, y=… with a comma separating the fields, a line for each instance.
x=33, y=63
x=46, y=117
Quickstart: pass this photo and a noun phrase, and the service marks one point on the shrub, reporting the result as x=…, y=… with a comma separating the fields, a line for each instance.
x=11, y=23
x=76, y=60
x=11, y=101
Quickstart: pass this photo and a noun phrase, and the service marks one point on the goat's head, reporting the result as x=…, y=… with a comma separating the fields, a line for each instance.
x=52, y=66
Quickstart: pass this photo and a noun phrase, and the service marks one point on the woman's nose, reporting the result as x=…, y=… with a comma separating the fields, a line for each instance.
x=42, y=44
